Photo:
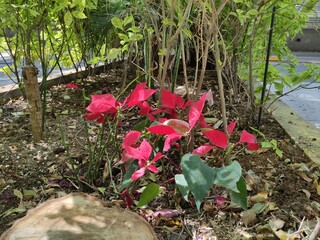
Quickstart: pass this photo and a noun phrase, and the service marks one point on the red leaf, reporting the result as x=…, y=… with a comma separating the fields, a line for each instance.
x=179, y=101
x=104, y=103
x=195, y=111
x=139, y=94
x=71, y=85
x=131, y=138
x=253, y=146
x=203, y=123
x=161, y=129
x=217, y=137
x=247, y=137
x=167, y=99
x=145, y=108
x=231, y=127
x=172, y=138
x=93, y=116
x=202, y=150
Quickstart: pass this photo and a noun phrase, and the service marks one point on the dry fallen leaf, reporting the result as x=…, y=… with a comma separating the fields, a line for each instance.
x=261, y=197
x=248, y=217
x=305, y=177
x=308, y=194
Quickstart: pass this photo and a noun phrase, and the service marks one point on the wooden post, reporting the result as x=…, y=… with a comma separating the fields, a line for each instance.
x=30, y=80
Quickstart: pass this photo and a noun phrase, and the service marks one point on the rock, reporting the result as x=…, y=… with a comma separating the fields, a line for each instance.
x=79, y=216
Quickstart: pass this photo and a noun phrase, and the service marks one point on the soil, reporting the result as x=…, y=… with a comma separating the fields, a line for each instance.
x=284, y=189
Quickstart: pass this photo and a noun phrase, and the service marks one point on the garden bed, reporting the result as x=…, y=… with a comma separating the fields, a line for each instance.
x=286, y=189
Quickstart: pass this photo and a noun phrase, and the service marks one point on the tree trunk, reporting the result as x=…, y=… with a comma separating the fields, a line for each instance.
x=33, y=97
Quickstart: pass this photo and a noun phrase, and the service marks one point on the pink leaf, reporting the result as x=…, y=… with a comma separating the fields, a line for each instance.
x=172, y=138
x=153, y=169
x=157, y=157
x=217, y=137
x=247, y=137
x=161, y=129
x=167, y=99
x=166, y=213
x=71, y=85
x=125, y=157
x=220, y=200
x=178, y=125
x=145, y=149
x=195, y=111
x=202, y=150
x=209, y=98
x=134, y=153
x=131, y=138
x=138, y=174
x=231, y=127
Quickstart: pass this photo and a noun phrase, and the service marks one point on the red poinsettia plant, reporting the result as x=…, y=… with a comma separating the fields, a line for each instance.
x=172, y=123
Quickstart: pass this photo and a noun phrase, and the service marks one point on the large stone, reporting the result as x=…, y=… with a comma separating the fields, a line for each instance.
x=79, y=216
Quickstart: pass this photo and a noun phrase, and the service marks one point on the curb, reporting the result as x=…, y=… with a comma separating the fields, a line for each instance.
x=12, y=90
x=302, y=132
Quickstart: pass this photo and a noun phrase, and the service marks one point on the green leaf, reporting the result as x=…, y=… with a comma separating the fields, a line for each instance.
x=140, y=126
x=148, y=194
x=11, y=211
x=252, y=12
x=198, y=175
x=117, y=22
x=79, y=14
x=113, y=53
x=127, y=20
x=241, y=196
x=127, y=177
x=187, y=32
x=228, y=176
x=68, y=18
x=182, y=185
x=18, y=193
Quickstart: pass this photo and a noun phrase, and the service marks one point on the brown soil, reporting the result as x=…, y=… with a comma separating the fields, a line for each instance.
x=286, y=187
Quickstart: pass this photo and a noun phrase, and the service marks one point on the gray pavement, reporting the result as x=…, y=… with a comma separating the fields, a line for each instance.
x=306, y=101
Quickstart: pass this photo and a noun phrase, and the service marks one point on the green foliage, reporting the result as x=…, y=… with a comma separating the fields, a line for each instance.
x=273, y=144
x=148, y=194
x=197, y=178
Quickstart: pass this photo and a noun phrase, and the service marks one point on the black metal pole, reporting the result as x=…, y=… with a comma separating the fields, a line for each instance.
x=266, y=66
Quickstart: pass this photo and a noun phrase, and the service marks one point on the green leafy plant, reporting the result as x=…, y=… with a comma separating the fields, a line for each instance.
x=273, y=144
